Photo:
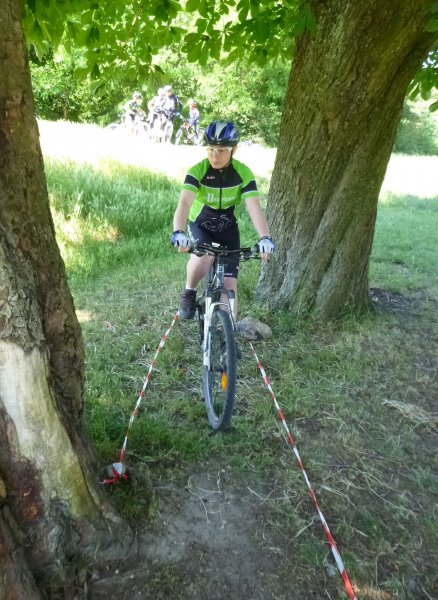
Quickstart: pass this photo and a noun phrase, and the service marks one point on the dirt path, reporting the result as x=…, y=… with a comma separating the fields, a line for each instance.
x=210, y=540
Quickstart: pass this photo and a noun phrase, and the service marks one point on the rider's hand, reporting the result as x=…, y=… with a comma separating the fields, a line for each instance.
x=266, y=247
x=180, y=241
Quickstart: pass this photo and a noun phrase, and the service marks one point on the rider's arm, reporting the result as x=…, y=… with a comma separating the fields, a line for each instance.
x=258, y=219
x=257, y=216
x=182, y=210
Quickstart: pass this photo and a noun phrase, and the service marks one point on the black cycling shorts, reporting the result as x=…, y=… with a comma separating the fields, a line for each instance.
x=229, y=238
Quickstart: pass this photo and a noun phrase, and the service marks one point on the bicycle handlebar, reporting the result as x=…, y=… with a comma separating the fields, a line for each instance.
x=206, y=249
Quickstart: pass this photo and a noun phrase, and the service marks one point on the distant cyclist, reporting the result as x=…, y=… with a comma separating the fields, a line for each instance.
x=133, y=107
x=171, y=102
x=155, y=104
x=210, y=192
x=193, y=115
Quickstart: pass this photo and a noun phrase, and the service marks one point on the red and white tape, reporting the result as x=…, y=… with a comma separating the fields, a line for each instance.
x=291, y=442
x=117, y=469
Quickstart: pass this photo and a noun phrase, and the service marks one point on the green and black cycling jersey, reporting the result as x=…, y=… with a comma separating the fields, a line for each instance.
x=218, y=192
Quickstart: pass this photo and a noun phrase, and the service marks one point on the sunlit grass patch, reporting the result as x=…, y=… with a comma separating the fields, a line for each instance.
x=405, y=244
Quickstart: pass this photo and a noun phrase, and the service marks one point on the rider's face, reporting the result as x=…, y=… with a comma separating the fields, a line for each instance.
x=219, y=157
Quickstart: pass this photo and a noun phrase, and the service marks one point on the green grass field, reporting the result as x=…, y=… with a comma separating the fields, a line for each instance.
x=360, y=396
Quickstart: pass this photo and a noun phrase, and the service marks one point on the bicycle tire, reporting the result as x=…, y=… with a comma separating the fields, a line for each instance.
x=200, y=136
x=167, y=132
x=219, y=377
x=178, y=136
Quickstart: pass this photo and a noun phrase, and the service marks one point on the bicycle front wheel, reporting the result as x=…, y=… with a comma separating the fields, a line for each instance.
x=219, y=377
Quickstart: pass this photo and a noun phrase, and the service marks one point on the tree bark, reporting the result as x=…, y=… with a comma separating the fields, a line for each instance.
x=342, y=107
x=50, y=504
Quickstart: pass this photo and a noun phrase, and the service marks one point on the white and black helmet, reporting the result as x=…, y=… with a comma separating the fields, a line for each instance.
x=221, y=133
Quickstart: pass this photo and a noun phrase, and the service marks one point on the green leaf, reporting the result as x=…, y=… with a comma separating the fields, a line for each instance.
x=425, y=92
x=310, y=22
x=299, y=26
x=201, y=25
x=243, y=13
x=434, y=106
x=192, y=5
x=193, y=53
x=93, y=35
x=432, y=25
x=204, y=9
x=413, y=93
x=95, y=73
x=41, y=48
x=255, y=8
x=260, y=30
x=215, y=50
x=191, y=39
x=80, y=74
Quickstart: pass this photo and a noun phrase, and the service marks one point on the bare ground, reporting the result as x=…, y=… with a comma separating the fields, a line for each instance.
x=210, y=540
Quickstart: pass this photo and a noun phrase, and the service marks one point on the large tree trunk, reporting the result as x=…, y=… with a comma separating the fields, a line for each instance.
x=49, y=501
x=342, y=107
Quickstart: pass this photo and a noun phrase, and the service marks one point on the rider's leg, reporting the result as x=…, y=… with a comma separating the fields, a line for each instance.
x=197, y=268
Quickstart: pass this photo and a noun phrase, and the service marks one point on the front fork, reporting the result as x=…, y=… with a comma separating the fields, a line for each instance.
x=207, y=315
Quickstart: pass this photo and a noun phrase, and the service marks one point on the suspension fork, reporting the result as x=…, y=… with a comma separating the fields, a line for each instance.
x=210, y=307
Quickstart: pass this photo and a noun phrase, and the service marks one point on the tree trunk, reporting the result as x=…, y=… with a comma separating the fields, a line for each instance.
x=49, y=503
x=342, y=107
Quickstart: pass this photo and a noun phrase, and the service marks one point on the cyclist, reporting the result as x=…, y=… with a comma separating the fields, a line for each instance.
x=211, y=190
x=133, y=113
x=193, y=116
x=171, y=102
x=133, y=107
x=155, y=103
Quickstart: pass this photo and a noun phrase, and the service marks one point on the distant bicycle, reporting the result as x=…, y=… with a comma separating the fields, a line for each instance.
x=134, y=126
x=215, y=308
x=160, y=126
x=186, y=134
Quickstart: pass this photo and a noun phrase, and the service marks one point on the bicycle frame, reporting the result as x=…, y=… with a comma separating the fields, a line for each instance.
x=214, y=288
x=217, y=334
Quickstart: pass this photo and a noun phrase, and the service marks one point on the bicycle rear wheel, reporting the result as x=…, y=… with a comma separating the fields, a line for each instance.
x=219, y=377
x=178, y=136
x=200, y=136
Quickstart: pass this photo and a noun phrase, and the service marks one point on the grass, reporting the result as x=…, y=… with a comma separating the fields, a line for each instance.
x=359, y=396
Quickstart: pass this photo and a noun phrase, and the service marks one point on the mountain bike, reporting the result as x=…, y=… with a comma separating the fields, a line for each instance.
x=160, y=126
x=215, y=308
x=133, y=126
x=186, y=134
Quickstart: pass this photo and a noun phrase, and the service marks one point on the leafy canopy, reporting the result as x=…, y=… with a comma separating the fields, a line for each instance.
x=123, y=37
